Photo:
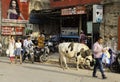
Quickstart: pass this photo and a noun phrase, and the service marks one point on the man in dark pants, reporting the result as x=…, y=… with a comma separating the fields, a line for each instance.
x=26, y=44
x=98, y=50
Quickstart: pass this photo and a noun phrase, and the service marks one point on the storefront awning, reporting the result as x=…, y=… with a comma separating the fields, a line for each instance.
x=43, y=16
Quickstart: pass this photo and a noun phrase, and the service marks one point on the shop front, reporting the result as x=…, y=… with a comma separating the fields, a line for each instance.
x=72, y=22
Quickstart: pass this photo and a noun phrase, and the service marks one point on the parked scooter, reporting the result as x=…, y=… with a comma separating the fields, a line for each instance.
x=41, y=54
x=52, y=43
x=115, y=67
x=112, y=61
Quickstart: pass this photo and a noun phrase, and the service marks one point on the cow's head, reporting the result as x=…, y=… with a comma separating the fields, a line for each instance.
x=80, y=52
x=86, y=53
x=89, y=60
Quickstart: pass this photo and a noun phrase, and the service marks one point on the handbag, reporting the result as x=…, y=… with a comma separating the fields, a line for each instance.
x=7, y=52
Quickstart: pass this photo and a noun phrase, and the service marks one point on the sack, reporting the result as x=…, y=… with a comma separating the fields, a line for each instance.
x=7, y=52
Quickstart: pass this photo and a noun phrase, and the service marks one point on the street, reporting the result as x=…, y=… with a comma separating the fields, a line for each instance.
x=35, y=27
x=48, y=72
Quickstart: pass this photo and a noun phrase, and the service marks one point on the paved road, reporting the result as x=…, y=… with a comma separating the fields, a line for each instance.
x=47, y=72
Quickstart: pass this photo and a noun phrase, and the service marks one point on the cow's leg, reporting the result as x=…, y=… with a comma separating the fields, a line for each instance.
x=81, y=62
x=60, y=60
x=65, y=62
x=77, y=63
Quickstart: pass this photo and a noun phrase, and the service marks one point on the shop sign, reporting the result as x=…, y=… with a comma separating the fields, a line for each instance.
x=12, y=30
x=69, y=31
x=6, y=31
x=14, y=21
x=23, y=0
x=74, y=10
x=13, y=24
x=19, y=30
x=97, y=13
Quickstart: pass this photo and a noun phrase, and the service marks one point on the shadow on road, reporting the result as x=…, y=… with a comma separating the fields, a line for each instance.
x=57, y=71
x=5, y=60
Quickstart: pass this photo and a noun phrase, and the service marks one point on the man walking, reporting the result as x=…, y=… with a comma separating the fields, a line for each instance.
x=98, y=51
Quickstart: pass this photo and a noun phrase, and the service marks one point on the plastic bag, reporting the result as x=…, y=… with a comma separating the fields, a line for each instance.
x=105, y=59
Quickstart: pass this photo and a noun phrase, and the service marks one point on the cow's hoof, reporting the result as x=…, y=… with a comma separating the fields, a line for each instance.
x=61, y=66
x=67, y=68
x=78, y=69
x=82, y=67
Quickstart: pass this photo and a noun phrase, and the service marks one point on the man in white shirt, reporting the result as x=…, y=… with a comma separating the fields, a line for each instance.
x=26, y=44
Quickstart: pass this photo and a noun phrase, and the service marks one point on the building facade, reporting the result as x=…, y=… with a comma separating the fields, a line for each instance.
x=76, y=16
x=107, y=28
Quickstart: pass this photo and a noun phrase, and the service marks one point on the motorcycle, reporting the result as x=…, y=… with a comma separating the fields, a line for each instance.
x=112, y=62
x=29, y=52
x=115, y=67
x=52, y=44
x=41, y=54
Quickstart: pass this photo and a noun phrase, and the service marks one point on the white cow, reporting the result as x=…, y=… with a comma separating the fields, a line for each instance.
x=78, y=50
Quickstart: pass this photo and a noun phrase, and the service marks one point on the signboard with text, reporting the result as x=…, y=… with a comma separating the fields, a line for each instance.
x=74, y=10
x=97, y=13
x=7, y=30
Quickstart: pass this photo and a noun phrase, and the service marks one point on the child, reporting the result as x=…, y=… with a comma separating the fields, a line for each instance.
x=18, y=47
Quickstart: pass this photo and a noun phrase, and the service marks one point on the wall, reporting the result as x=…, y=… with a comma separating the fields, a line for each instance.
x=119, y=34
x=109, y=1
x=65, y=3
x=109, y=28
x=39, y=4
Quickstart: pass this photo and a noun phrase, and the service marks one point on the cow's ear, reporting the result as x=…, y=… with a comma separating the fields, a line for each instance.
x=88, y=52
x=82, y=49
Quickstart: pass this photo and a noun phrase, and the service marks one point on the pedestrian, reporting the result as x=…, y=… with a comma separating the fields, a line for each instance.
x=11, y=49
x=0, y=48
x=41, y=39
x=82, y=37
x=98, y=50
x=18, y=47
